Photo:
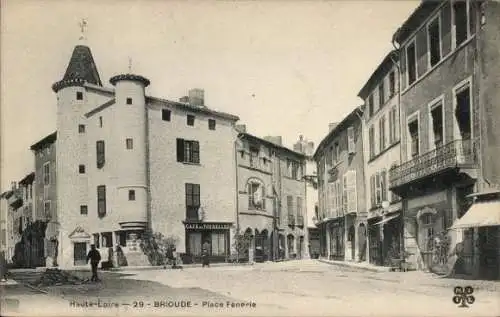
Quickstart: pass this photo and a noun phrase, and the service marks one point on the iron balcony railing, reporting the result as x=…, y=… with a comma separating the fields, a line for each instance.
x=451, y=155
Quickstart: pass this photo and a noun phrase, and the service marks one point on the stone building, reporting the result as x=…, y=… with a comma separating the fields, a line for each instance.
x=311, y=177
x=449, y=68
x=45, y=202
x=271, y=198
x=341, y=190
x=382, y=146
x=129, y=164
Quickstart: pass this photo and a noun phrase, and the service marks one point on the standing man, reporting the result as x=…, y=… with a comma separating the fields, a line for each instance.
x=94, y=256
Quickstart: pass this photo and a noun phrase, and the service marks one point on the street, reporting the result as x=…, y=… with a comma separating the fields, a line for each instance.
x=305, y=287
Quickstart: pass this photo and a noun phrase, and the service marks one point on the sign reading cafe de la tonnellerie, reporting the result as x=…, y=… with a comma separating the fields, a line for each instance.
x=208, y=226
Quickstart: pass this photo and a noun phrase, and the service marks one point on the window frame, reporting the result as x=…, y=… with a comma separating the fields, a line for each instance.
x=46, y=174
x=101, y=200
x=131, y=195
x=439, y=101
x=79, y=95
x=413, y=117
x=212, y=124
x=100, y=153
x=129, y=101
x=188, y=117
x=392, y=84
x=381, y=94
x=414, y=43
x=381, y=134
x=166, y=114
x=84, y=208
x=49, y=213
x=129, y=143
x=81, y=128
x=81, y=169
x=193, y=194
x=440, y=40
x=454, y=45
x=458, y=88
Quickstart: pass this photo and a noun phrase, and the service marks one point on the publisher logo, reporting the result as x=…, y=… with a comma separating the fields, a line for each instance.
x=463, y=296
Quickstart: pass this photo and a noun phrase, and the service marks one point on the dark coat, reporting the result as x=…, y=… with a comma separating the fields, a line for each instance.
x=94, y=256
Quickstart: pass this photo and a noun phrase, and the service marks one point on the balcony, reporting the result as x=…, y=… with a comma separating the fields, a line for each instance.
x=458, y=154
x=291, y=220
x=300, y=221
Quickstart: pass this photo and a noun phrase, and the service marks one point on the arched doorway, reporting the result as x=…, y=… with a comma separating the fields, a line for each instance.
x=300, y=247
x=261, y=245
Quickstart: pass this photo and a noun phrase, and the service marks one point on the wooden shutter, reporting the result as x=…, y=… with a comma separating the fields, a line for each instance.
x=195, y=145
x=384, y=185
x=403, y=73
x=421, y=43
x=180, y=150
x=100, y=153
x=263, y=188
x=101, y=200
x=377, y=189
x=352, y=201
x=351, y=145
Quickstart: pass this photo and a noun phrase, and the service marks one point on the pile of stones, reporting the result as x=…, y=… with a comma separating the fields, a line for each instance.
x=56, y=277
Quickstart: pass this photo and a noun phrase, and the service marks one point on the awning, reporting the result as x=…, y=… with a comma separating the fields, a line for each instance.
x=482, y=214
x=389, y=218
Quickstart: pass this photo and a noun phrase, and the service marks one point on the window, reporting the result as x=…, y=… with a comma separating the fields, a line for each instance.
x=350, y=195
x=299, y=206
x=434, y=38
x=336, y=153
x=370, y=105
x=381, y=97
x=100, y=122
x=101, y=200
x=81, y=128
x=131, y=194
x=46, y=173
x=382, y=133
x=100, y=153
x=371, y=137
x=378, y=189
x=218, y=244
x=351, y=142
x=414, y=138
x=188, y=151
x=392, y=84
x=383, y=185
x=79, y=95
x=190, y=120
x=192, y=201
x=411, y=60
x=211, y=124
x=46, y=209
x=393, y=126
x=289, y=204
x=460, y=21
x=463, y=111
x=256, y=195
x=81, y=169
x=129, y=143
x=84, y=210
x=294, y=169
x=437, y=132
x=165, y=114
x=129, y=101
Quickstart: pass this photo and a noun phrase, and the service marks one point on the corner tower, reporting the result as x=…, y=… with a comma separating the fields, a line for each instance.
x=132, y=168
x=73, y=101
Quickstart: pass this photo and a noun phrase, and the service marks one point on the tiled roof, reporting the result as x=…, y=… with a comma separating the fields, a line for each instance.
x=28, y=179
x=81, y=68
x=270, y=144
x=49, y=139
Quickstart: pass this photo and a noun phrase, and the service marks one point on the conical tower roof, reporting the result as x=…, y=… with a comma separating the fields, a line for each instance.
x=81, y=69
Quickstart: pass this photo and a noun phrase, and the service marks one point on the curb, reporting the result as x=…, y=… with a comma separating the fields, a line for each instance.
x=353, y=266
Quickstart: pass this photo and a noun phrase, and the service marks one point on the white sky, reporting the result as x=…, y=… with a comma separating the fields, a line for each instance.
x=284, y=67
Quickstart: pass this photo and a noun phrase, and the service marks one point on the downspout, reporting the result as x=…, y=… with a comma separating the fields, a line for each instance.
x=398, y=66
x=478, y=71
x=365, y=167
x=237, y=194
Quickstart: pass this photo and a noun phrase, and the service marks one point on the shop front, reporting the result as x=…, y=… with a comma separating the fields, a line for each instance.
x=337, y=233
x=375, y=241
x=215, y=234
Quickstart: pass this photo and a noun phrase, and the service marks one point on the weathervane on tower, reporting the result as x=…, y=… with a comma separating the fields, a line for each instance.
x=83, y=26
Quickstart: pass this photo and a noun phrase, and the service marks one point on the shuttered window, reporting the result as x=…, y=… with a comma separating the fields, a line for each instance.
x=351, y=145
x=100, y=153
x=382, y=134
x=188, y=151
x=101, y=200
x=371, y=137
x=383, y=184
x=350, y=194
x=192, y=201
x=378, y=190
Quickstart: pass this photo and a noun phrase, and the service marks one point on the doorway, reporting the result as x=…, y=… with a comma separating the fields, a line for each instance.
x=80, y=253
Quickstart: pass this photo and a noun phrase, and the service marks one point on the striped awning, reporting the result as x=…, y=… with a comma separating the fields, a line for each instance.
x=480, y=214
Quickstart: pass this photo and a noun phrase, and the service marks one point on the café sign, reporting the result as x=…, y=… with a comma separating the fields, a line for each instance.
x=208, y=226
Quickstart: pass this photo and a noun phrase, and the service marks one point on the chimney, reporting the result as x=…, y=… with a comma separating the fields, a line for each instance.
x=13, y=186
x=332, y=126
x=184, y=99
x=310, y=148
x=241, y=128
x=197, y=97
x=274, y=139
x=297, y=147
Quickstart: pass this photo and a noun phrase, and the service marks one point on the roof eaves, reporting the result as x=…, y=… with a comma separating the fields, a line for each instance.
x=271, y=144
x=381, y=69
x=51, y=138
